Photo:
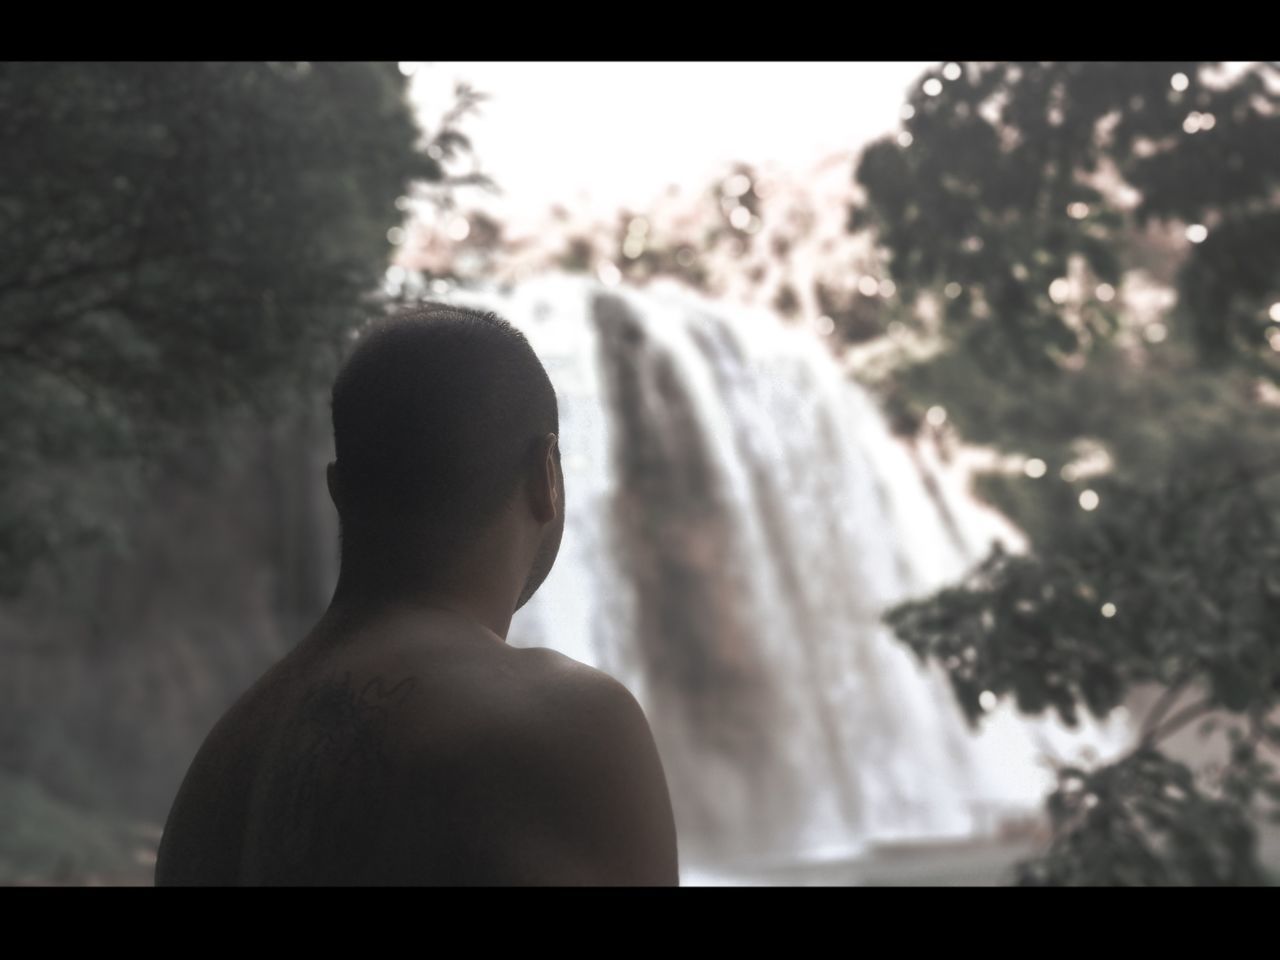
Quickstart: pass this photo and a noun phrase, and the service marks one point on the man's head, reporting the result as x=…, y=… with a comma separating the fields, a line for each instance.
x=445, y=426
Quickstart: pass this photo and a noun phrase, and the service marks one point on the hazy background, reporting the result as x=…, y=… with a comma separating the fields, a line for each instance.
x=922, y=415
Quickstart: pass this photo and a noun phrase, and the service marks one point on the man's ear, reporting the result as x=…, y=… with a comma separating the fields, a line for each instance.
x=547, y=479
x=331, y=478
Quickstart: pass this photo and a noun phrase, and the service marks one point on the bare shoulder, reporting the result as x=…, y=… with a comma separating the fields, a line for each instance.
x=555, y=682
x=576, y=716
x=567, y=786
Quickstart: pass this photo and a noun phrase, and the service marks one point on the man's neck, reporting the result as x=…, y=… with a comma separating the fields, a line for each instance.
x=488, y=609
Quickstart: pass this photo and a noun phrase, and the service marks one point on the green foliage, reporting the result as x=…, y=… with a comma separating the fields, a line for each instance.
x=176, y=240
x=1020, y=208
x=1163, y=584
x=1020, y=174
x=1144, y=822
x=1153, y=415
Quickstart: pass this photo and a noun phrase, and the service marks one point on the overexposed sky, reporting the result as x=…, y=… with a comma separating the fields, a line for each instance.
x=607, y=135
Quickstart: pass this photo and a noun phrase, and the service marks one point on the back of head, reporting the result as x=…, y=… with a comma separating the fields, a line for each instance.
x=436, y=418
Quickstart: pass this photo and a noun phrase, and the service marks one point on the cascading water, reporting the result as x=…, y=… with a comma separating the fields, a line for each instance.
x=738, y=518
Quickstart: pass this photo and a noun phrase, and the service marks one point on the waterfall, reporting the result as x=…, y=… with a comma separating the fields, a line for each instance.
x=738, y=518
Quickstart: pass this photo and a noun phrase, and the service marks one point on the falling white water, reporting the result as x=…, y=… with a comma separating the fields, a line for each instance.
x=738, y=518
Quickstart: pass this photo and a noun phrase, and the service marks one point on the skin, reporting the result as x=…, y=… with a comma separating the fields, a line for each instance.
x=404, y=742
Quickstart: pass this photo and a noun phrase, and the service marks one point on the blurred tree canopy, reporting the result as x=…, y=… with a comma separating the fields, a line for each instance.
x=1032, y=214
x=176, y=240
x=1012, y=187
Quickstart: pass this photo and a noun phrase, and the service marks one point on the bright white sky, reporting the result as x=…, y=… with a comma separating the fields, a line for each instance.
x=606, y=135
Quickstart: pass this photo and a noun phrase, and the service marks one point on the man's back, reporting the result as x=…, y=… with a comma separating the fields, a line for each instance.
x=422, y=750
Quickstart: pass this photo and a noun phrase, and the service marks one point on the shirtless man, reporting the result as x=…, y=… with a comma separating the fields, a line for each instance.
x=403, y=741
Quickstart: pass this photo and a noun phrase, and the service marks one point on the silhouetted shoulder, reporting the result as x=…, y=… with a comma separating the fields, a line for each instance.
x=561, y=785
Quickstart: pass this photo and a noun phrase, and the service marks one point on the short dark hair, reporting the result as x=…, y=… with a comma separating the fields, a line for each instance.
x=436, y=416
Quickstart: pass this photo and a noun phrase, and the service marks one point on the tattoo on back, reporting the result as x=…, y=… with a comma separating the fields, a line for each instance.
x=330, y=782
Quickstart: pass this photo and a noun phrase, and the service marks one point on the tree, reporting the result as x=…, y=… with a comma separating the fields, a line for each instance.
x=1012, y=186
x=178, y=240
x=1022, y=209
